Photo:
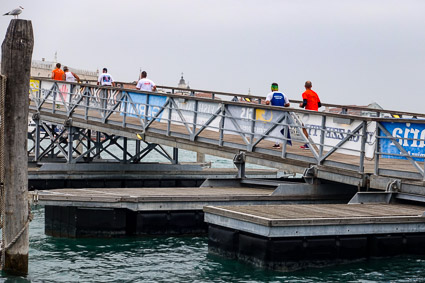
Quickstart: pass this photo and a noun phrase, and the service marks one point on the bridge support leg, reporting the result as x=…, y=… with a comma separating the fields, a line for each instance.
x=239, y=161
x=124, y=152
x=175, y=155
x=88, y=144
x=70, y=143
x=98, y=145
x=200, y=157
x=37, y=138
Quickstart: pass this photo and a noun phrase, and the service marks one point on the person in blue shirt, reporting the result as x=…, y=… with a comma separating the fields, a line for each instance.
x=277, y=98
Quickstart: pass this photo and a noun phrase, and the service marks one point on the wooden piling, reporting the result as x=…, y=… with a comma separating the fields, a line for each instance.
x=16, y=58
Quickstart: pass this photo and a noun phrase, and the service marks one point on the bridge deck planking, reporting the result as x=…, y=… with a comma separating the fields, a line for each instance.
x=392, y=164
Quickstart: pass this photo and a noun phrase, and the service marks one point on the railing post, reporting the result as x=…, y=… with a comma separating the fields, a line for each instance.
x=221, y=125
x=285, y=134
x=170, y=109
x=86, y=114
x=253, y=118
x=195, y=120
x=322, y=137
x=363, y=147
x=146, y=111
x=378, y=143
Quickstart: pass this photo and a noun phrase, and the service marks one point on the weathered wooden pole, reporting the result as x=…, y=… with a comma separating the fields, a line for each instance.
x=16, y=65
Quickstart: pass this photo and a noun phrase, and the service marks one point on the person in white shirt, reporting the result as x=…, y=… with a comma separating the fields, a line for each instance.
x=146, y=84
x=69, y=76
x=105, y=79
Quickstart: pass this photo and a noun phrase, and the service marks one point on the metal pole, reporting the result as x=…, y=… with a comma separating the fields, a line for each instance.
x=322, y=137
x=88, y=144
x=37, y=139
x=17, y=50
x=70, y=144
x=378, y=141
x=175, y=155
x=363, y=147
x=124, y=153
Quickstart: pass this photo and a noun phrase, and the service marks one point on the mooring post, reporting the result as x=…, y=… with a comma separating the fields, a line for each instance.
x=16, y=58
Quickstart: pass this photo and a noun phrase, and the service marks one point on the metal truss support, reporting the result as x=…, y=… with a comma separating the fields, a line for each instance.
x=69, y=144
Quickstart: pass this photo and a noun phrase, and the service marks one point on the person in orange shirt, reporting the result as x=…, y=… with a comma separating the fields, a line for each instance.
x=57, y=74
x=311, y=101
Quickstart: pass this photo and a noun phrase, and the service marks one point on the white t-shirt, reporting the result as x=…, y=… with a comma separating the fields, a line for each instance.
x=105, y=79
x=69, y=77
x=145, y=84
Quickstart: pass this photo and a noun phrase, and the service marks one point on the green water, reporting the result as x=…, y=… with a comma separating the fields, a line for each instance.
x=180, y=259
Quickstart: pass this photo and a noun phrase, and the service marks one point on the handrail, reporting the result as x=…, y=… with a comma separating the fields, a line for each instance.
x=229, y=94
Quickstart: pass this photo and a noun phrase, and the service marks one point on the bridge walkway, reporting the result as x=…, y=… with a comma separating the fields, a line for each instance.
x=377, y=152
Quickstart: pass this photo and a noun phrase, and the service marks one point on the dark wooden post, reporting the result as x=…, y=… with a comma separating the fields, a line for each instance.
x=16, y=66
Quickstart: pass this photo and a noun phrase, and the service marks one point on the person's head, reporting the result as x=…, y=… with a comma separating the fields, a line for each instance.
x=58, y=65
x=144, y=74
x=308, y=85
x=275, y=87
x=105, y=70
x=65, y=69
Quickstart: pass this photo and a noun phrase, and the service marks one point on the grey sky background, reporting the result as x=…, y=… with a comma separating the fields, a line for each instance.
x=354, y=51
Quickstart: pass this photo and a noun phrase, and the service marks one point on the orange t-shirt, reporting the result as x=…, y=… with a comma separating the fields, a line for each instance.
x=57, y=74
x=312, y=100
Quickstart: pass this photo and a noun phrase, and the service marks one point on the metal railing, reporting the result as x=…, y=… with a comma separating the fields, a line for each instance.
x=337, y=140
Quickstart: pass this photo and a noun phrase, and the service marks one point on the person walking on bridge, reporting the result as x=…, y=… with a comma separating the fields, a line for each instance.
x=57, y=73
x=69, y=76
x=276, y=98
x=145, y=84
x=311, y=101
x=105, y=79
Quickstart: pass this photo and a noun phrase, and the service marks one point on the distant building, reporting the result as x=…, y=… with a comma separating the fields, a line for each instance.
x=44, y=69
x=182, y=83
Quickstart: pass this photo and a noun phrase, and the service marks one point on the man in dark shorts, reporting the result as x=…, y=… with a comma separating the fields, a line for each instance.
x=311, y=101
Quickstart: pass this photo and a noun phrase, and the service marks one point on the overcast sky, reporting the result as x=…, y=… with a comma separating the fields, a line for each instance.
x=354, y=51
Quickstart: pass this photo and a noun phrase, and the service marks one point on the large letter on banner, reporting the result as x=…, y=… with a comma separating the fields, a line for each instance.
x=414, y=147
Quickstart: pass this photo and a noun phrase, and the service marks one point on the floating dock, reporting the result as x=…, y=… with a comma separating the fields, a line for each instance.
x=291, y=237
x=114, y=212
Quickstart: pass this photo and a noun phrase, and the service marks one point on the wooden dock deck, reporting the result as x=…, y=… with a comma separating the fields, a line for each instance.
x=298, y=220
x=291, y=237
x=164, y=199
